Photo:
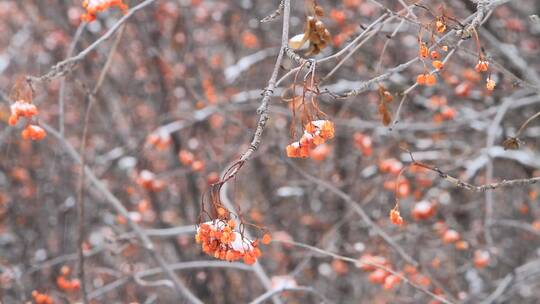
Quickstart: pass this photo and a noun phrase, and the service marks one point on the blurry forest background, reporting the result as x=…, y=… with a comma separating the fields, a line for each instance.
x=174, y=92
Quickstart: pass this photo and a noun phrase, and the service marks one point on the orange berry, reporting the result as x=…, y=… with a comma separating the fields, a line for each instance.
x=536, y=225
x=482, y=66
x=363, y=143
x=435, y=55
x=395, y=217
x=249, y=40
x=437, y=64
x=266, y=239
x=340, y=267
x=249, y=260
x=421, y=79
x=391, y=281
x=13, y=120
x=197, y=166
x=450, y=236
x=65, y=270
x=462, y=245
x=212, y=177
x=440, y=26
x=431, y=80
x=337, y=15
x=221, y=211
x=378, y=276
x=25, y=134
x=388, y=96
x=293, y=150
x=186, y=158
x=448, y=113
x=327, y=130
x=424, y=51
x=463, y=89
x=490, y=84
x=423, y=210
x=481, y=258
x=320, y=152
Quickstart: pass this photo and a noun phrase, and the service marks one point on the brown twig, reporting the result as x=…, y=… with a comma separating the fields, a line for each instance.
x=267, y=94
x=91, y=99
x=474, y=188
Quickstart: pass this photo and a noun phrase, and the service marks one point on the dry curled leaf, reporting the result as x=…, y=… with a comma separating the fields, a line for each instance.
x=511, y=143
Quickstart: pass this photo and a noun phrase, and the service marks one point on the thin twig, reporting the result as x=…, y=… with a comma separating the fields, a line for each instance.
x=267, y=93
x=474, y=188
x=62, y=93
x=80, y=196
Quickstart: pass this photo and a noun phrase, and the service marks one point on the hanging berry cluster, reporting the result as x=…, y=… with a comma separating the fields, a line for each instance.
x=438, y=25
x=218, y=239
x=221, y=237
x=24, y=108
x=65, y=283
x=316, y=132
x=483, y=66
x=93, y=7
x=427, y=78
x=315, y=32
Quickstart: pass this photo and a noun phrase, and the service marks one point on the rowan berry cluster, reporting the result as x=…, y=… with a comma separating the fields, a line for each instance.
x=24, y=108
x=219, y=239
x=483, y=66
x=316, y=133
x=93, y=7
x=21, y=109
x=65, y=283
x=41, y=298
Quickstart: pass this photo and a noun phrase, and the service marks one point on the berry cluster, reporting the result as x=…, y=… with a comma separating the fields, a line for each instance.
x=21, y=109
x=218, y=239
x=65, y=283
x=27, y=110
x=315, y=133
x=33, y=132
x=93, y=7
x=41, y=298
